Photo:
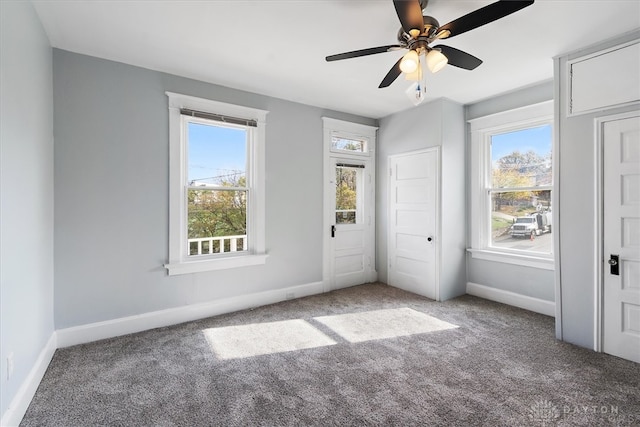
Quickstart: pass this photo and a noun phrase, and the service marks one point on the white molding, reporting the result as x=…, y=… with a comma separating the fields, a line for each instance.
x=20, y=403
x=537, y=305
x=178, y=100
x=515, y=118
x=331, y=124
x=156, y=319
x=215, y=264
x=542, y=263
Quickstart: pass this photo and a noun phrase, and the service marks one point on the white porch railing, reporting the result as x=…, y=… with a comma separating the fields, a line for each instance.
x=209, y=246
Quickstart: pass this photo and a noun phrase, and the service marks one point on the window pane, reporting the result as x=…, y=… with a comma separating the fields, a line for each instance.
x=522, y=220
x=521, y=158
x=217, y=155
x=216, y=221
x=346, y=195
x=348, y=144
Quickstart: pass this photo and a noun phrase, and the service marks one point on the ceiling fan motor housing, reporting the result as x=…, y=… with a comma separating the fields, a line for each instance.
x=421, y=43
x=427, y=35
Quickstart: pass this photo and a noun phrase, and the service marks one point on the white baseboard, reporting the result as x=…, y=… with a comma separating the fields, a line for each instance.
x=156, y=319
x=511, y=298
x=20, y=403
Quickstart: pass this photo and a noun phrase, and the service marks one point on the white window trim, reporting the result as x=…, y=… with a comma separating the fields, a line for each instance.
x=256, y=254
x=349, y=130
x=481, y=130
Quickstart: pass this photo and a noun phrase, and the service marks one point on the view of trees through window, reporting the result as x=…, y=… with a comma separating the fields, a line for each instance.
x=346, y=195
x=347, y=144
x=217, y=189
x=520, y=189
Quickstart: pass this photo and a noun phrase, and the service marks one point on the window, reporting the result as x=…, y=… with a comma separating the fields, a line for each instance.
x=346, y=142
x=217, y=191
x=352, y=145
x=512, y=186
x=348, y=193
x=216, y=214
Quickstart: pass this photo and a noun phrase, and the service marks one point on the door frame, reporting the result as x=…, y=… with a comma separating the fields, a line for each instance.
x=349, y=130
x=438, y=206
x=599, y=255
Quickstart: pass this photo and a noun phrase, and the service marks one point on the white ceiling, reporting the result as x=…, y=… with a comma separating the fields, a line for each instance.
x=277, y=47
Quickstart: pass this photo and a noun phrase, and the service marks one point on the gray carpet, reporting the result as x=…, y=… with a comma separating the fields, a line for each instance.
x=368, y=355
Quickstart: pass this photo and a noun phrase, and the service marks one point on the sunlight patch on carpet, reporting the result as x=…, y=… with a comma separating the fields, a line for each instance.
x=381, y=324
x=233, y=342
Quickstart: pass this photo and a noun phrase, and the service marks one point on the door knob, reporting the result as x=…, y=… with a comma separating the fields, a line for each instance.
x=429, y=239
x=614, y=267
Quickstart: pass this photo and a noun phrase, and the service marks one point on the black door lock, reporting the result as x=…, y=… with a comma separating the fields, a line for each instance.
x=614, y=265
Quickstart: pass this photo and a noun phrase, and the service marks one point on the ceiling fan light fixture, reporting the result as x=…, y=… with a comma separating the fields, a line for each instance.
x=443, y=34
x=410, y=62
x=416, y=76
x=436, y=60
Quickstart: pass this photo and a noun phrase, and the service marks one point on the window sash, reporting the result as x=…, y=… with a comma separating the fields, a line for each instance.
x=519, y=189
x=211, y=119
x=218, y=245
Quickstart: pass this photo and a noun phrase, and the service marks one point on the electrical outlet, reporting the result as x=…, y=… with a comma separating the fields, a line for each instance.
x=290, y=295
x=9, y=365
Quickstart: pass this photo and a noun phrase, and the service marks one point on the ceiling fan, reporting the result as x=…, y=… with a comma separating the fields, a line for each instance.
x=418, y=32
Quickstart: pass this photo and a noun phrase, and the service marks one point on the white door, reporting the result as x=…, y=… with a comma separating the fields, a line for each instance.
x=622, y=238
x=352, y=241
x=413, y=219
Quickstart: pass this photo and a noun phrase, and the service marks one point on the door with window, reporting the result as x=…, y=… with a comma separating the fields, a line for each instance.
x=622, y=238
x=349, y=237
x=352, y=261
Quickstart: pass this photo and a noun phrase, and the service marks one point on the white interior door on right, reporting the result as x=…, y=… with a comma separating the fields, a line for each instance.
x=621, y=247
x=413, y=221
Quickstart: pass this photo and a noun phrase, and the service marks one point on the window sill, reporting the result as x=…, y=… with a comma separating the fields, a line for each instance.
x=200, y=266
x=540, y=262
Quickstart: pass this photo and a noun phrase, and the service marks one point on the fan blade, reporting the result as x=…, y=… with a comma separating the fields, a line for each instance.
x=483, y=16
x=458, y=58
x=362, y=52
x=392, y=75
x=410, y=15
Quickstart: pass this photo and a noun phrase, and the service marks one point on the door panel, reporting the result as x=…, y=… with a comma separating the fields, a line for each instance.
x=349, y=238
x=413, y=189
x=622, y=238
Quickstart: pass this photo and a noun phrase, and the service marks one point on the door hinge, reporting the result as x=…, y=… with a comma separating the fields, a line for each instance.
x=390, y=171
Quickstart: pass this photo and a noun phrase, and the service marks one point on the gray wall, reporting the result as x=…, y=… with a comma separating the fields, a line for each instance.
x=111, y=186
x=577, y=216
x=528, y=281
x=26, y=194
x=437, y=123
